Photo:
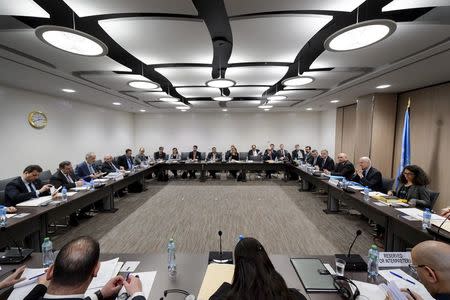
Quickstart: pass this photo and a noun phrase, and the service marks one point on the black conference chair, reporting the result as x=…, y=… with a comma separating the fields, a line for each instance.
x=2, y=197
x=386, y=184
x=4, y=182
x=184, y=155
x=243, y=155
x=203, y=155
x=45, y=176
x=433, y=198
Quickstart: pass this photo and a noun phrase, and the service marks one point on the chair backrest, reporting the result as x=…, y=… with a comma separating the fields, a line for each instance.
x=386, y=184
x=433, y=198
x=98, y=163
x=243, y=155
x=4, y=182
x=203, y=155
x=184, y=155
x=2, y=197
x=45, y=176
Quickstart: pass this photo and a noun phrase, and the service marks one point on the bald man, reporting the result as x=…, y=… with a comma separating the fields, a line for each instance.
x=344, y=167
x=431, y=260
x=368, y=175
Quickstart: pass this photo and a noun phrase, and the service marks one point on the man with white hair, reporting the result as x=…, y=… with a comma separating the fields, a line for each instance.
x=87, y=170
x=344, y=167
x=368, y=175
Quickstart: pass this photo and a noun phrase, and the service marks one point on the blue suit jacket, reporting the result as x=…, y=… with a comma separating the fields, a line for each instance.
x=82, y=171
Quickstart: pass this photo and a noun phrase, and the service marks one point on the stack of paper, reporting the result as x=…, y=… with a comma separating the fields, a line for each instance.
x=23, y=288
x=406, y=282
x=41, y=201
x=108, y=269
x=418, y=214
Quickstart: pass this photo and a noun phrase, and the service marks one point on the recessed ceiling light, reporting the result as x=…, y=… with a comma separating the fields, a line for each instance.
x=276, y=97
x=142, y=110
x=309, y=108
x=222, y=98
x=169, y=99
x=224, y=109
x=117, y=103
x=334, y=101
x=71, y=40
x=68, y=91
x=360, y=35
x=265, y=106
x=143, y=85
x=182, y=107
x=297, y=80
x=383, y=86
x=266, y=109
x=221, y=83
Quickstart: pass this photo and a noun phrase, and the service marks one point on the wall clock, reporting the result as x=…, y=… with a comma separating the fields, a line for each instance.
x=37, y=119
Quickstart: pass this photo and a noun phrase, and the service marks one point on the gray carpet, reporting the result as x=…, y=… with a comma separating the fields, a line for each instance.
x=285, y=220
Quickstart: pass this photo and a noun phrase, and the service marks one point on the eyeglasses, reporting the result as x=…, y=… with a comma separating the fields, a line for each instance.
x=413, y=268
x=408, y=174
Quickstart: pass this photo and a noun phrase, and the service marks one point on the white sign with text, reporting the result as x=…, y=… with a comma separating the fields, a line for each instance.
x=394, y=259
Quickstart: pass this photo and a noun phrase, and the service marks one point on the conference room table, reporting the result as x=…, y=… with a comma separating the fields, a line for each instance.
x=191, y=270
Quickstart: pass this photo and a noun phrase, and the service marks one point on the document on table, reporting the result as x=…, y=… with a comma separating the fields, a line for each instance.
x=129, y=266
x=37, y=201
x=368, y=291
x=356, y=187
x=10, y=215
x=105, y=273
x=417, y=287
x=215, y=275
x=23, y=288
x=147, y=279
x=80, y=188
x=418, y=214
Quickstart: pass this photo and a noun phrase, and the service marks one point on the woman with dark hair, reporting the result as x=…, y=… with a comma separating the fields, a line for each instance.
x=255, y=277
x=413, y=187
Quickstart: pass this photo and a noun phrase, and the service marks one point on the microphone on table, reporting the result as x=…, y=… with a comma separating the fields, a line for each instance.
x=353, y=262
x=220, y=256
x=14, y=256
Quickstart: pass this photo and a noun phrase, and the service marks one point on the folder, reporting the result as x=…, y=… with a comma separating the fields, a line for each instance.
x=307, y=270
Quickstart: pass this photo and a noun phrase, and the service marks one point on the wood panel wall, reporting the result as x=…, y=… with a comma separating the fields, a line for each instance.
x=346, y=130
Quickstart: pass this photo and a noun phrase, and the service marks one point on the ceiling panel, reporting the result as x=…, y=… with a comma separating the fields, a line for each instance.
x=204, y=104
x=162, y=40
x=148, y=96
x=275, y=38
x=85, y=8
x=409, y=38
x=327, y=79
x=300, y=94
x=27, y=8
x=240, y=7
x=282, y=103
x=26, y=41
x=252, y=91
x=198, y=92
x=165, y=105
x=258, y=75
x=186, y=76
x=243, y=104
x=408, y=4
x=118, y=82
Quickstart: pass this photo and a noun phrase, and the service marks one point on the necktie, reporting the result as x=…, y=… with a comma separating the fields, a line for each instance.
x=32, y=189
x=69, y=179
x=91, y=169
x=130, y=165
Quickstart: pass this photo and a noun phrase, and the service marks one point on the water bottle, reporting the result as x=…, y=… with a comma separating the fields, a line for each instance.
x=47, y=253
x=372, y=262
x=344, y=183
x=241, y=237
x=172, y=266
x=3, y=219
x=64, y=193
x=426, y=221
x=366, y=194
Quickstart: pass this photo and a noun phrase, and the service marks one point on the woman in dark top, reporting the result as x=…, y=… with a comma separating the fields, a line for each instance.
x=255, y=277
x=234, y=156
x=412, y=187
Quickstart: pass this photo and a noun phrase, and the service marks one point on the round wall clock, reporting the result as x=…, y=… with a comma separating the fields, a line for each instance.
x=37, y=119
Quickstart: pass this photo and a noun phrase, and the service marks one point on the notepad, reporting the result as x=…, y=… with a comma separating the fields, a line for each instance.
x=147, y=279
x=417, y=287
x=307, y=270
x=215, y=276
x=105, y=273
x=23, y=288
x=41, y=201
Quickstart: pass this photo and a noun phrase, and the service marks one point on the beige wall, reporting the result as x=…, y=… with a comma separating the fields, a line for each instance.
x=346, y=130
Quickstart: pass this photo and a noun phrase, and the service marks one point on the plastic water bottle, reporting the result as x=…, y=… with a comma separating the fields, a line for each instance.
x=64, y=193
x=344, y=183
x=372, y=262
x=47, y=253
x=366, y=194
x=3, y=219
x=172, y=266
x=241, y=237
x=426, y=221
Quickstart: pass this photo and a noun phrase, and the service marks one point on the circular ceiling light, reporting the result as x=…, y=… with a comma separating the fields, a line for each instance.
x=297, y=80
x=265, y=106
x=117, y=103
x=143, y=85
x=266, y=109
x=71, y=40
x=309, y=108
x=223, y=98
x=183, y=107
x=169, y=99
x=334, y=101
x=276, y=98
x=68, y=91
x=383, y=86
x=360, y=35
x=142, y=110
x=225, y=110
x=221, y=83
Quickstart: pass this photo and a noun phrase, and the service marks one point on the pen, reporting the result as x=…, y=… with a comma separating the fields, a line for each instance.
x=399, y=276
x=411, y=294
x=128, y=275
x=34, y=277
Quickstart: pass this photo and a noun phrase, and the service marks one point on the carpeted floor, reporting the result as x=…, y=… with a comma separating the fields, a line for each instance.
x=285, y=220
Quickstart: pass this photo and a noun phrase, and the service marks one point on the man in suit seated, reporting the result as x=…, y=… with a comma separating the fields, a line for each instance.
x=228, y=153
x=344, y=167
x=283, y=154
x=76, y=264
x=141, y=158
x=271, y=147
x=298, y=154
x=326, y=163
x=213, y=156
x=368, y=175
x=307, y=153
x=109, y=166
x=87, y=170
x=314, y=159
x=126, y=161
x=195, y=156
x=253, y=153
x=269, y=156
x=160, y=154
x=26, y=187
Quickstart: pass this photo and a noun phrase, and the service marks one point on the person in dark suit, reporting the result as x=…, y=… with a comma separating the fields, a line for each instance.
x=326, y=162
x=269, y=157
x=314, y=159
x=141, y=158
x=234, y=157
x=195, y=156
x=307, y=154
x=87, y=170
x=298, y=154
x=412, y=186
x=26, y=187
x=283, y=154
x=109, y=166
x=227, y=154
x=126, y=160
x=368, y=175
x=255, y=276
x=76, y=264
x=271, y=147
x=160, y=154
x=344, y=167
x=214, y=156
x=253, y=152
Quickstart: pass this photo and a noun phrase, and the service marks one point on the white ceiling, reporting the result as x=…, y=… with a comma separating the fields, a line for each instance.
x=117, y=82
x=327, y=79
x=186, y=76
x=162, y=40
x=274, y=38
x=85, y=8
x=257, y=75
x=27, y=8
x=252, y=91
x=408, y=4
x=197, y=92
x=299, y=94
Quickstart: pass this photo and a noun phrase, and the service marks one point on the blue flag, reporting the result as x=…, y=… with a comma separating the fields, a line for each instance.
x=405, y=159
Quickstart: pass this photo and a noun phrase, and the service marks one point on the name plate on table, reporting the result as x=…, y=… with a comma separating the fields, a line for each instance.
x=394, y=259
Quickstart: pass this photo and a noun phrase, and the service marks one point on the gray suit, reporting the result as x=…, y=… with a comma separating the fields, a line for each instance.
x=419, y=193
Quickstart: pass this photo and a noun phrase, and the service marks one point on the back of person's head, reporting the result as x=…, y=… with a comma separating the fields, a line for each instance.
x=75, y=263
x=254, y=275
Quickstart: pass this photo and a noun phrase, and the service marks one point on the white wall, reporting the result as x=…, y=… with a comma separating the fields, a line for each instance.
x=328, y=131
x=73, y=129
x=182, y=130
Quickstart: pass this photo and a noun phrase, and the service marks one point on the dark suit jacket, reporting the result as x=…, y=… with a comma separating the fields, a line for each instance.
x=328, y=164
x=284, y=155
x=107, y=168
x=122, y=161
x=198, y=156
x=156, y=155
x=250, y=152
x=272, y=156
x=59, y=179
x=218, y=156
x=298, y=154
x=345, y=169
x=225, y=288
x=38, y=293
x=16, y=191
x=373, y=179
x=310, y=161
x=82, y=171
x=419, y=193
